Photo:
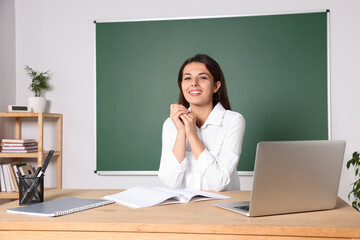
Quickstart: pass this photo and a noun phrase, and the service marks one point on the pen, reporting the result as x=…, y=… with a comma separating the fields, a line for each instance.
x=39, y=172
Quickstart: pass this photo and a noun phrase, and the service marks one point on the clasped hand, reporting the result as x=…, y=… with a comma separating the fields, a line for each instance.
x=183, y=119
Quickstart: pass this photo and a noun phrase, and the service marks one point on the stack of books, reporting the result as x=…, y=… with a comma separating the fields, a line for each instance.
x=19, y=145
x=9, y=175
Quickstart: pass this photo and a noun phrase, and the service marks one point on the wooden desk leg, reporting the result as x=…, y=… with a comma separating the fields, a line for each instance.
x=17, y=134
x=17, y=128
x=41, y=139
x=59, y=149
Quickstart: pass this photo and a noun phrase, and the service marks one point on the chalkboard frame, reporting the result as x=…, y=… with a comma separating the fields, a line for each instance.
x=243, y=173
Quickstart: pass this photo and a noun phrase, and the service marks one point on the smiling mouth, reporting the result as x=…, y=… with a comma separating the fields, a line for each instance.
x=195, y=93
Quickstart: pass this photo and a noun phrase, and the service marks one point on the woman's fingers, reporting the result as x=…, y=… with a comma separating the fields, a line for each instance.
x=189, y=117
x=189, y=121
x=185, y=118
x=182, y=117
x=176, y=110
x=177, y=114
x=192, y=116
x=177, y=106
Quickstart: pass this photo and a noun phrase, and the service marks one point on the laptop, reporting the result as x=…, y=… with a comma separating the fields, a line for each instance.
x=293, y=176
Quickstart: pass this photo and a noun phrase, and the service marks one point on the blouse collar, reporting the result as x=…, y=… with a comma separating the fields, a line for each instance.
x=216, y=115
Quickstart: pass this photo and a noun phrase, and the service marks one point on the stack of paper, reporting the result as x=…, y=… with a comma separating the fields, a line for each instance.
x=18, y=145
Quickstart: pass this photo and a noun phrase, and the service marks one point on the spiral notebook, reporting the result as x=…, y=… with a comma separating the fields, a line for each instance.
x=60, y=207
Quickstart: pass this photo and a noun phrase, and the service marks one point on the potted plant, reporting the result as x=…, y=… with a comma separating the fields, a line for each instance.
x=355, y=162
x=39, y=82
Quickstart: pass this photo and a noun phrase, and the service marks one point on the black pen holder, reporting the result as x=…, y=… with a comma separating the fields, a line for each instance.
x=31, y=190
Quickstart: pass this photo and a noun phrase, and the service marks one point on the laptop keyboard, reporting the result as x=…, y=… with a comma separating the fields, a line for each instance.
x=244, y=208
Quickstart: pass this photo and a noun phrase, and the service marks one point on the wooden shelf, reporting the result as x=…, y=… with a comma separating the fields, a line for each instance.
x=14, y=195
x=41, y=154
x=29, y=114
x=26, y=155
x=9, y=195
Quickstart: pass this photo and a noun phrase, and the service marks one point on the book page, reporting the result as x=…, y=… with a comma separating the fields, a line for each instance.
x=138, y=197
x=201, y=195
x=193, y=195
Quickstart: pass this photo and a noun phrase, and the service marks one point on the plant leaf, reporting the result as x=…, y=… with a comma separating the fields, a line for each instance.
x=348, y=164
x=357, y=209
x=39, y=81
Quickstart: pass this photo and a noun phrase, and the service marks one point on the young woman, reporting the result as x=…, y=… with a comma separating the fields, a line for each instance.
x=202, y=138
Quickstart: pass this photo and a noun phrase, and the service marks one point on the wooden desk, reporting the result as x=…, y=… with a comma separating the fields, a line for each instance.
x=198, y=220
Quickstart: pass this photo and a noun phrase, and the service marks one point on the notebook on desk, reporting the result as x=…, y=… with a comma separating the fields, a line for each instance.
x=59, y=207
x=293, y=176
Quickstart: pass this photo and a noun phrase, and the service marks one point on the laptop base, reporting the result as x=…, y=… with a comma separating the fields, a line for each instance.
x=238, y=207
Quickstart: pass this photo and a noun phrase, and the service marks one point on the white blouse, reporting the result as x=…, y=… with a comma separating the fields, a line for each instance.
x=216, y=168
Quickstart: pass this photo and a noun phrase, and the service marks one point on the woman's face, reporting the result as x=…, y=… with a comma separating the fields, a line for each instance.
x=198, y=84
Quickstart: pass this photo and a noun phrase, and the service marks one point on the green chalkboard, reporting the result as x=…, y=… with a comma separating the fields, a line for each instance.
x=275, y=68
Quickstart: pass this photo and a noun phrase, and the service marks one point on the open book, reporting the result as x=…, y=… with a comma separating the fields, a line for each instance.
x=138, y=197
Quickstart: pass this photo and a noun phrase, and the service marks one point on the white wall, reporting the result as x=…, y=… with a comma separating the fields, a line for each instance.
x=7, y=66
x=59, y=35
x=7, y=62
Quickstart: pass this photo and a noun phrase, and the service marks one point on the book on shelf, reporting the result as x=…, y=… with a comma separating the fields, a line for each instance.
x=9, y=180
x=26, y=170
x=139, y=197
x=29, y=144
x=12, y=141
x=20, y=151
x=6, y=178
x=19, y=148
x=14, y=183
x=8, y=183
x=16, y=168
x=2, y=180
x=18, y=145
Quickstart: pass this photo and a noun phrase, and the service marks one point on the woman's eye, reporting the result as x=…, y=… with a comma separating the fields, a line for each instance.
x=187, y=78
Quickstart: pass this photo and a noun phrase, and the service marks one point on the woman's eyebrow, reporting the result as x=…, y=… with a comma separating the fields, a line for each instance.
x=204, y=73
x=198, y=74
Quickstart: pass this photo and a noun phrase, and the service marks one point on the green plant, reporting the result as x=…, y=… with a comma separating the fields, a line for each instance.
x=356, y=185
x=39, y=81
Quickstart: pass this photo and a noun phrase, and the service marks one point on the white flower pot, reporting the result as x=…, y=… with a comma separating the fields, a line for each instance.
x=37, y=104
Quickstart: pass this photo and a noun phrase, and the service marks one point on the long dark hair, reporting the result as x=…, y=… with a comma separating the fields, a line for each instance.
x=215, y=70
